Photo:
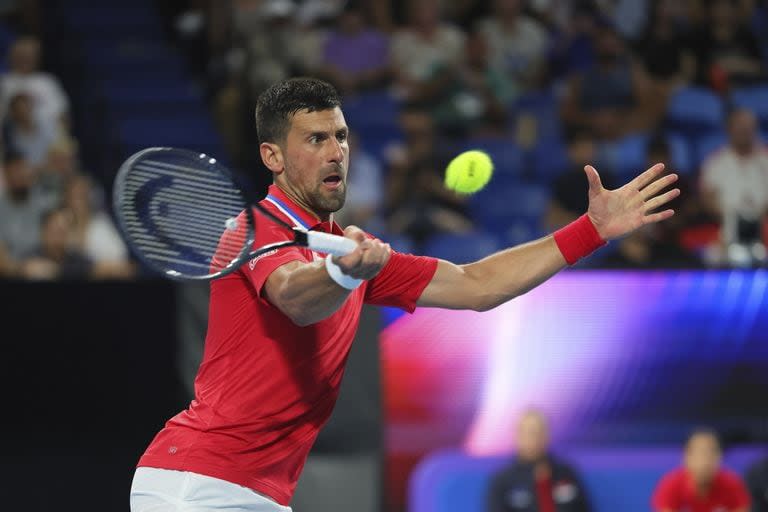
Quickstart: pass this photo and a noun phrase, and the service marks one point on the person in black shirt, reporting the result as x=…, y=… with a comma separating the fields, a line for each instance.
x=727, y=53
x=536, y=481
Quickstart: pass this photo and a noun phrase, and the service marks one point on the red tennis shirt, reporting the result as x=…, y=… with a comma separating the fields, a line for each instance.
x=266, y=386
x=676, y=491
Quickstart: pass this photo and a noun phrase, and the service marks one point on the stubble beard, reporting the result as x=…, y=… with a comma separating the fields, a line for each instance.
x=329, y=201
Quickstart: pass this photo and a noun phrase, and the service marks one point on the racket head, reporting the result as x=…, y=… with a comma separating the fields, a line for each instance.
x=183, y=213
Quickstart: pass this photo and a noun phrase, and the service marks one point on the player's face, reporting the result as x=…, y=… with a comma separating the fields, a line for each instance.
x=702, y=458
x=316, y=159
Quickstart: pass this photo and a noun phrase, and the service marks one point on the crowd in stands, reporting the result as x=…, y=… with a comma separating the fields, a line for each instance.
x=545, y=86
x=536, y=478
x=53, y=221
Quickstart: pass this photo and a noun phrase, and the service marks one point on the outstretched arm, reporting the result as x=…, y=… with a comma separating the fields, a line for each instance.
x=487, y=283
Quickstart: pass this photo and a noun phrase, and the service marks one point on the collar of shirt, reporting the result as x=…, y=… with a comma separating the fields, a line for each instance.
x=297, y=215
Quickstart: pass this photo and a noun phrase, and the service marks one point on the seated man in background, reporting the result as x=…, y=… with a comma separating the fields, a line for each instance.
x=535, y=481
x=701, y=485
x=757, y=482
x=734, y=187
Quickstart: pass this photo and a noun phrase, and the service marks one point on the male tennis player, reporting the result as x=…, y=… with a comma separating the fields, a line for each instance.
x=280, y=328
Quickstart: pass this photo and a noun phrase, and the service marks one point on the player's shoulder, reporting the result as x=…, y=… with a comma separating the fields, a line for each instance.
x=728, y=477
x=673, y=478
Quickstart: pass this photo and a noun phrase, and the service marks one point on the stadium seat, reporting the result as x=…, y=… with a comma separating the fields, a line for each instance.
x=754, y=99
x=549, y=159
x=682, y=161
x=461, y=248
x=507, y=157
x=695, y=110
x=543, y=107
x=374, y=108
x=513, y=211
x=628, y=156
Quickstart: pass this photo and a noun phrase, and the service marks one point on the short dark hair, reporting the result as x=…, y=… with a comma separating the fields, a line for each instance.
x=282, y=100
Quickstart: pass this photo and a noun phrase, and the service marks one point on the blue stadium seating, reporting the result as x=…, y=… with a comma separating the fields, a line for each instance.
x=694, y=111
x=548, y=159
x=513, y=210
x=507, y=157
x=461, y=248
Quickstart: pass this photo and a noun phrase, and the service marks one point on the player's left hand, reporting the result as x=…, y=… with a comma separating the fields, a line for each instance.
x=617, y=212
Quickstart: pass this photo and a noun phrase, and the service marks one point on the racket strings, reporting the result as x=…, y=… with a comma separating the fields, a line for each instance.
x=183, y=215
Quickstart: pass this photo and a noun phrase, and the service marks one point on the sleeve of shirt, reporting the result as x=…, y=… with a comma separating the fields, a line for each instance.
x=664, y=496
x=258, y=269
x=401, y=282
x=738, y=492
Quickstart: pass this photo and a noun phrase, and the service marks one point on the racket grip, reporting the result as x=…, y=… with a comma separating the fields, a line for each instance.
x=330, y=244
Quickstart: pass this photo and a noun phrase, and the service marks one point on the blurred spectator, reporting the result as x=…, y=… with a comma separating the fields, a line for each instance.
x=418, y=203
x=658, y=245
x=271, y=39
x=56, y=258
x=365, y=184
x=21, y=208
x=60, y=165
x=570, y=188
x=727, y=53
x=665, y=46
x=536, y=480
x=355, y=56
x=667, y=58
x=629, y=16
x=93, y=233
x=51, y=104
x=607, y=98
x=757, y=482
x=425, y=44
x=701, y=485
x=24, y=133
x=469, y=96
x=518, y=44
x=269, y=45
x=734, y=187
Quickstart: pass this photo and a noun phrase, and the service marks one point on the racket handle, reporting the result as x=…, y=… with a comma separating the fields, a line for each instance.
x=330, y=244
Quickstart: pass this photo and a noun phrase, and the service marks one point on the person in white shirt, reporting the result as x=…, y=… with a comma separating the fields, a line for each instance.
x=734, y=181
x=50, y=101
x=426, y=44
x=518, y=43
x=93, y=232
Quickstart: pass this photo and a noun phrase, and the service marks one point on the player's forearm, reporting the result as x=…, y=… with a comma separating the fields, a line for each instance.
x=510, y=273
x=308, y=294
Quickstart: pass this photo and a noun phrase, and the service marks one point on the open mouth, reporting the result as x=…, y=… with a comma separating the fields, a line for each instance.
x=332, y=181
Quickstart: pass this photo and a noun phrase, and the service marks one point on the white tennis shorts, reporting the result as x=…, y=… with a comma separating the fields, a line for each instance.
x=165, y=490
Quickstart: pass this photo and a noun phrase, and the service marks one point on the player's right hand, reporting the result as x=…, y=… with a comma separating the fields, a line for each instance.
x=368, y=259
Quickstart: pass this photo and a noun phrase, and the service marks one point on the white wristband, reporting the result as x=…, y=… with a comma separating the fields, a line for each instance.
x=342, y=279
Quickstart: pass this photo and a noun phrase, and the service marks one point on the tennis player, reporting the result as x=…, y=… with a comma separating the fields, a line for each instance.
x=280, y=328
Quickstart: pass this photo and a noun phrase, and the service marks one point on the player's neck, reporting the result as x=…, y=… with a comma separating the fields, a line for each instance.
x=304, y=205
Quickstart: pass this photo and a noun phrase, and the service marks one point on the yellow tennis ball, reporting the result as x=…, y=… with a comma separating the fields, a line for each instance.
x=469, y=172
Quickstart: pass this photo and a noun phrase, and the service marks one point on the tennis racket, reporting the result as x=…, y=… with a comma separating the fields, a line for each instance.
x=184, y=215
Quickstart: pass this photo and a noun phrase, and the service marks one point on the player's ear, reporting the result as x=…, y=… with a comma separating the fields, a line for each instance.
x=272, y=156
